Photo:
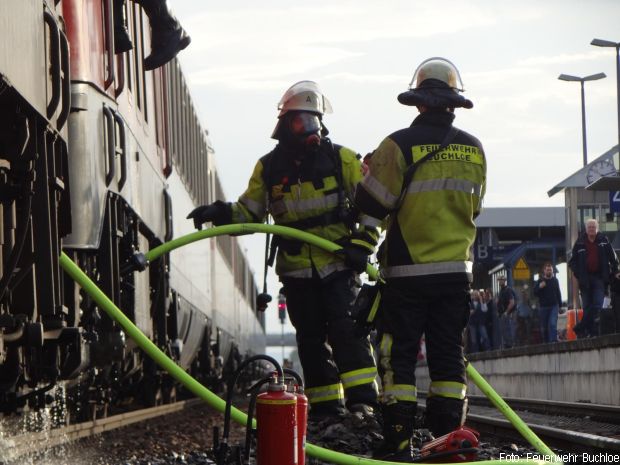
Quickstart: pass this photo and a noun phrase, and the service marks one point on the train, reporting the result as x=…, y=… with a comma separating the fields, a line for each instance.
x=103, y=160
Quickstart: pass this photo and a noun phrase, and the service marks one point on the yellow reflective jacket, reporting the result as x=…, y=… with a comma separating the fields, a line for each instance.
x=307, y=195
x=432, y=230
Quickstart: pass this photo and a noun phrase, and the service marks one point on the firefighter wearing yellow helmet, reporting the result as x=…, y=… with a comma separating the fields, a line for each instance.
x=428, y=182
x=307, y=182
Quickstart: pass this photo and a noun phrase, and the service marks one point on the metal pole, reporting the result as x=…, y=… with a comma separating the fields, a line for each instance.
x=583, y=124
x=282, y=341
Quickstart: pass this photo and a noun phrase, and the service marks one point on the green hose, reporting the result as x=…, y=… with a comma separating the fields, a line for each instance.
x=205, y=394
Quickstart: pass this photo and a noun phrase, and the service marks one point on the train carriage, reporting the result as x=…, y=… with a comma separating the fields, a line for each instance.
x=103, y=160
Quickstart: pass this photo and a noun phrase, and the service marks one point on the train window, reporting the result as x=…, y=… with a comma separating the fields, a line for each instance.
x=173, y=105
x=137, y=28
x=145, y=111
x=129, y=55
x=186, y=141
x=135, y=23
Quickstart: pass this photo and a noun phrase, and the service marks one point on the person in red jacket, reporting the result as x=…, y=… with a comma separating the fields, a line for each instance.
x=593, y=261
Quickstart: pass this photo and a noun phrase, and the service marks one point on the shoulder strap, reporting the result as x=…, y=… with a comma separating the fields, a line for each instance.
x=411, y=169
x=334, y=153
x=267, y=161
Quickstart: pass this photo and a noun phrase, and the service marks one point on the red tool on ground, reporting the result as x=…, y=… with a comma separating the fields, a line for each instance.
x=460, y=445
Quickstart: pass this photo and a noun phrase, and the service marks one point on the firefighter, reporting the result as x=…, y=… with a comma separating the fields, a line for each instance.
x=168, y=38
x=430, y=197
x=306, y=182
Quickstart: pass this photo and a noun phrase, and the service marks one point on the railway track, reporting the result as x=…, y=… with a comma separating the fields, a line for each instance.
x=14, y=447
x=597, y=412
x=570, y=426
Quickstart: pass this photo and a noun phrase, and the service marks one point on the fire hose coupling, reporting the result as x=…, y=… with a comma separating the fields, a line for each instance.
x=137, y=262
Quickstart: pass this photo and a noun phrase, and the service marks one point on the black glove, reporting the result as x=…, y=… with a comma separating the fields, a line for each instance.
x=355, y=256
x=219, y=213
x=262, y=300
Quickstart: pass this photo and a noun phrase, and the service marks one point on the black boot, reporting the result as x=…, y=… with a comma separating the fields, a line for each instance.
x=398, y=425
x=168, y=38
x=122, y=41
x=444, y=415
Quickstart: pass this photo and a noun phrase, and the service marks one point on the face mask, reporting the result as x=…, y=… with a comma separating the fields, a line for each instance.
x=305, y=129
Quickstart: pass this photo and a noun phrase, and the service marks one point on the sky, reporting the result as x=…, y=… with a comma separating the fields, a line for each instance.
x=362, y=53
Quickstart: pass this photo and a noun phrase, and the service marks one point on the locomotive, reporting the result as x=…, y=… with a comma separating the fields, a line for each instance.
x=103, y=160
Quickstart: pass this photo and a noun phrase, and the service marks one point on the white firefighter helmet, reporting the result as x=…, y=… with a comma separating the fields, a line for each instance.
x=436, y=83
x=304, y=96
x=440, y=69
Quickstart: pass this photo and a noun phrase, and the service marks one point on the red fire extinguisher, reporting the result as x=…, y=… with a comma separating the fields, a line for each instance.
x=302, y=423
x=460, y=445
x=276, y=414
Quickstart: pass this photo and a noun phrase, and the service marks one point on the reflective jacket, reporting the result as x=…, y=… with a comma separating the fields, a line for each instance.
x=430, y=233
x=307, y=195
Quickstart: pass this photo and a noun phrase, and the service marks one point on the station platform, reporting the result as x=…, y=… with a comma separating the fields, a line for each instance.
x=583, y=370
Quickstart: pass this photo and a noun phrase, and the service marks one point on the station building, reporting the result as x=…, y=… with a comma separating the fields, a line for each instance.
x=516, y=242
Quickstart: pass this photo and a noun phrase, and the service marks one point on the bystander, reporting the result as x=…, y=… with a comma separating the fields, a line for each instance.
x=547, y=289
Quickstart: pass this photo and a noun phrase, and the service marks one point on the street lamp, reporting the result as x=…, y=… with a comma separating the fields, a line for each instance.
x=593, y=77
x=616, y=45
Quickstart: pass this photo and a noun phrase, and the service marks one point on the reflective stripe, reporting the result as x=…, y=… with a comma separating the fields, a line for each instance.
x=302, y=273
x=462, y=185
x=369, y=221
x=400, y=392
x=326, y=202
x=325, y=393
x=276, y=402
x=331, y=268
x=307, y=272
x=422, y=269
x=256, y=208
x=450, y=389
x=365, y=244
x=374, y=308
x=379, y=191
x=385, y=355
x=358, y=377
x=240, y=216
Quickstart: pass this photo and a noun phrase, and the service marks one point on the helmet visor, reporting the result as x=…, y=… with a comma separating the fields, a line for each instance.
x=304, y=123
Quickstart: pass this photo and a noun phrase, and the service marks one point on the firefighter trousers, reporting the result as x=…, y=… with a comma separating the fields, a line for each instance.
x=335, y=361
x=409, y=308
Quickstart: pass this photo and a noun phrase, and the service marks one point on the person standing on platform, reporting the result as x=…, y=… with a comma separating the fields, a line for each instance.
x=594, y=263
x=306, y=182
x=492, y=321
x=478, y=337
x=428, y=180
x=524, y=318
x=547, y=289
x=506, y=306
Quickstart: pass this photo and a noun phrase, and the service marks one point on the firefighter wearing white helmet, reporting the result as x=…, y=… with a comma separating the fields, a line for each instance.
x=306, y=182
x=428, y=181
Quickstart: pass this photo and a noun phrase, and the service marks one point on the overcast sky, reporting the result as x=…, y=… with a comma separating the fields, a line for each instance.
x=244, y=55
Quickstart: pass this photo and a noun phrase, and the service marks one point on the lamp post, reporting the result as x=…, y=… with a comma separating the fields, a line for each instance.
x=592, y=77
x=616, y=45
